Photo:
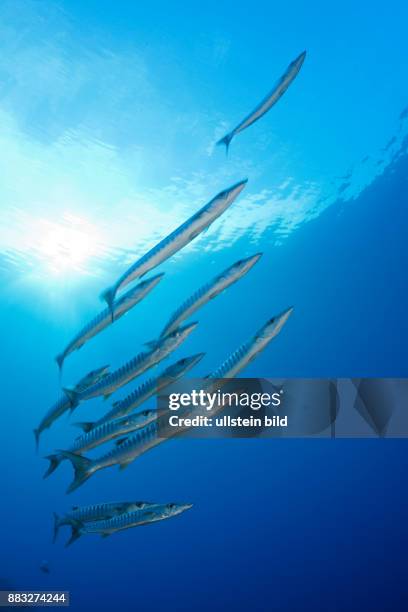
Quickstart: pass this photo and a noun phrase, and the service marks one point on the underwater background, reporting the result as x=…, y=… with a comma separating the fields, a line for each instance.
x=108, y=117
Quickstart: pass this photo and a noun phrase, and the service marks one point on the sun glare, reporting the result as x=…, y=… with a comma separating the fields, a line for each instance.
x=67, y=246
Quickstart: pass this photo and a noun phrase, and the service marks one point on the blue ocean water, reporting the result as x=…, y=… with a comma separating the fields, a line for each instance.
x=109, y=117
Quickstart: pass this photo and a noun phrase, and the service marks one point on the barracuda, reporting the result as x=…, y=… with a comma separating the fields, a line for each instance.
x=104, y=433
x=270, y=100
x=210, y=290
x=121, y=455
x=152, y=514
x=80, y=515
x=67, y=402
x=104, y=319
x=147, y=438
x=147, y=389
x=139, y=364
x=249, y=350
x=178, y=239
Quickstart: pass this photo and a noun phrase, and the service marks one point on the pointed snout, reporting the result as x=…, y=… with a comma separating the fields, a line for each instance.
x=234, y=191
x=155, y=279
x=194, y=359
x=284, y=316
x=300, y=59
x=185, y=330
x=249, y=262
x=184, y=507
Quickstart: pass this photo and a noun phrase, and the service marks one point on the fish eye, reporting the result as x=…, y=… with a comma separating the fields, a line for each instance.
x=145, y=413
x=140, y=505
x=171, y=506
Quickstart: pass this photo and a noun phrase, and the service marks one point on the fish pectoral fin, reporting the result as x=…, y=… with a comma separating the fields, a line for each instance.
x=120, y=441
x=123, y=466
x=107, y=396
x=195, y=234
x=105, y=534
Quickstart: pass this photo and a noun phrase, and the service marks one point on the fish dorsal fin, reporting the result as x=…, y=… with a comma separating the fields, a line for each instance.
x=151, y=345
x=85, y=426
x=120, y=441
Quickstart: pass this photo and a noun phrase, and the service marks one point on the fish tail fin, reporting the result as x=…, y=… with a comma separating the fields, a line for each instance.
x=54, y=460
x=75, y=533
x=81, y=467
x=56, y=527
x=85, y=425
x=72, y=395
x=37, y=434
x=226, y=141
x=109, y=297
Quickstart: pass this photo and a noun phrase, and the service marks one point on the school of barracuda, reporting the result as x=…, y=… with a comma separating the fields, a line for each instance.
x=134, y=433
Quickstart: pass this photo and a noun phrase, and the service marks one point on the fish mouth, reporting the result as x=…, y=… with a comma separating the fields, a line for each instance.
x=183, y=507
x=286, y=313
x=282, y=315
x=154, y=279
x=186, y=329
x=195, y=358
x=250, y=261
x=236, y=189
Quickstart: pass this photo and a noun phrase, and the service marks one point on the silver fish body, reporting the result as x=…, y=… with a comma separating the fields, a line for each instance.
x=152, y=514
x=178, y=239
x=67, y=402
x=136, y=366
x=209, y=291
x=249, y=350
x=121, y=455
x=151, y=387
x=98, y=512
x=104, y=433
x=270, y=100
x=112, y=429
x=105, y=318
